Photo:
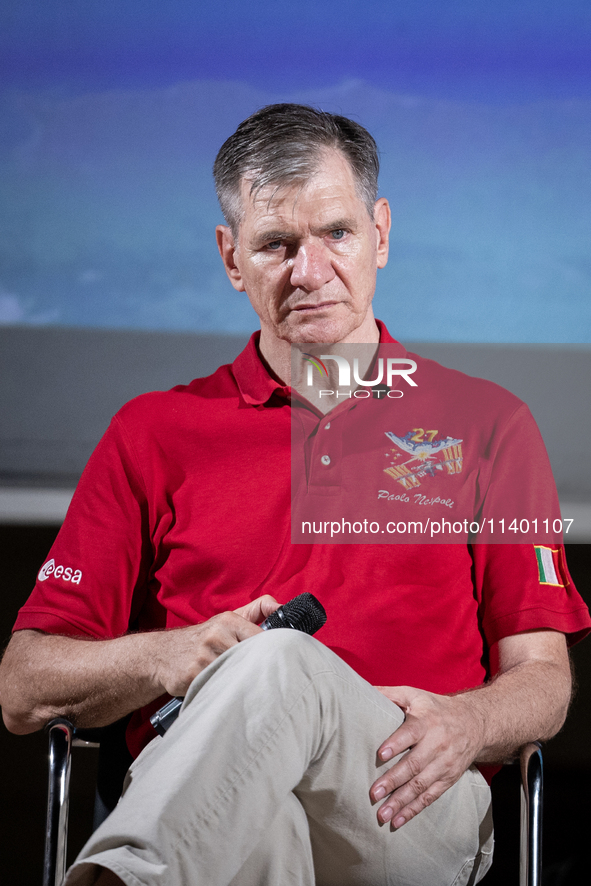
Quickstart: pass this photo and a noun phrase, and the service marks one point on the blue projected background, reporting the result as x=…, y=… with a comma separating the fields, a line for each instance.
x=111, y=115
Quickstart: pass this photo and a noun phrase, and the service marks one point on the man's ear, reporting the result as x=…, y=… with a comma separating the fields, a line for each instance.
x=227, y=248
x=383, y=223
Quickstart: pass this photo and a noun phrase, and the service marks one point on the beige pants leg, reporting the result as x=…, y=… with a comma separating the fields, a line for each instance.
x=264, y=781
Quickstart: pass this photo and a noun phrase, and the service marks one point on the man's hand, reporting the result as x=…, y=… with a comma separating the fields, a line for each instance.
x=442, y=735
x=185, y=652
x=95, y=682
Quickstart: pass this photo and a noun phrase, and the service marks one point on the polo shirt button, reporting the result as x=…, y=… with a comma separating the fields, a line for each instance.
x=327, y=426
x=325, y=459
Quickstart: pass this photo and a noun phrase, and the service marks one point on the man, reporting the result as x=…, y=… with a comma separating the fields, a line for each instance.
x=182, y=521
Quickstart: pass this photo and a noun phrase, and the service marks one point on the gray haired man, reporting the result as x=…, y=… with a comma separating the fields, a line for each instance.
x=285, y=766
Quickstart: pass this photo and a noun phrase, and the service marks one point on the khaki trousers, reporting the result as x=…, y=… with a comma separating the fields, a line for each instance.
x=264, y=781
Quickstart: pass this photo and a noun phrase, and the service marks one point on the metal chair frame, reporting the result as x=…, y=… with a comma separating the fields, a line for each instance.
x=63, y=736
x=114, y=760
x=532, y=808
x=61, y=740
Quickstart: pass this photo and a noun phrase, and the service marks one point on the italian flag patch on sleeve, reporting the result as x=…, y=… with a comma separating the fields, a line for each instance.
x=550, y=566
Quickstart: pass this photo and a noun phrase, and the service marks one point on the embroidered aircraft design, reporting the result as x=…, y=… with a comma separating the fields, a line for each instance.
x=423, y=450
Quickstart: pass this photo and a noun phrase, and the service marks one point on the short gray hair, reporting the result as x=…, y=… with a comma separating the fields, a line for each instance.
x=281, y=144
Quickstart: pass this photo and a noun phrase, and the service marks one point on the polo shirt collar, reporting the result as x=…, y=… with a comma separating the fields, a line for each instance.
x=255, y=382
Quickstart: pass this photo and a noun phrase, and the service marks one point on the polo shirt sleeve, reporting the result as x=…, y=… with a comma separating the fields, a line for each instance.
x=520, y=501
x=524, y=586
x=94, y=579
x=527, y=587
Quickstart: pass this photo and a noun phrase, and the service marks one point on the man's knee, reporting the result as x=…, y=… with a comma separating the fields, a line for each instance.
x=278, y=660
x=286, y=648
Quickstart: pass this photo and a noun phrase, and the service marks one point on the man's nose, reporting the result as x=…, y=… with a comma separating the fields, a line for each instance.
x=312, y=267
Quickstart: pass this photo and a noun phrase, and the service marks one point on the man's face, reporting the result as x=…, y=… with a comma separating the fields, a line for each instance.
x=307, y=256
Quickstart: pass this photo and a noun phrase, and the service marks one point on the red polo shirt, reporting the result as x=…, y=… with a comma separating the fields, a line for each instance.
x=183, y=511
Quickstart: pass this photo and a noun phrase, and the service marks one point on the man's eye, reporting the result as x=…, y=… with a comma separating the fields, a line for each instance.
x=338, y=234
x=275, y=244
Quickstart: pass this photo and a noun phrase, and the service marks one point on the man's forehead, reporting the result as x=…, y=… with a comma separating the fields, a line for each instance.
x=273, y=197
x=329, y=191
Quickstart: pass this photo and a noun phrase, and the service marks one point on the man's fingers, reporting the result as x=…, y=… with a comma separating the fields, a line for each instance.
x=408, y=802
x=405, y=737
x=412, y=784
x=259, y=609
x=408, y=768
x=187, y=651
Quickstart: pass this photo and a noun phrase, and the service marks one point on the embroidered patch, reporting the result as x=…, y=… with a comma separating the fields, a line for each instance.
x=429, y=456
x=549, y=565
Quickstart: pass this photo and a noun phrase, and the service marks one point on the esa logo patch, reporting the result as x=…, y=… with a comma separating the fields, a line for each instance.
x=64, y=572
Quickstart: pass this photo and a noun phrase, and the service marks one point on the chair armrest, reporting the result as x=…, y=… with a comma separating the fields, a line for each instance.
x=114, y=760
x=60, y=733
x=532, y=784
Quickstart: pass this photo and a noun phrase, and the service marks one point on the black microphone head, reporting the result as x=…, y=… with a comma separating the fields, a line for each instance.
x=303, y=613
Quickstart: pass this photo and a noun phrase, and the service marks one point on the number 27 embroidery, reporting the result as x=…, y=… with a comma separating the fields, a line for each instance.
x=419, y=435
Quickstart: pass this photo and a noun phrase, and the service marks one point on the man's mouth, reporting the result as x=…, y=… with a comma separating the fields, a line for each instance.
x=304, y=308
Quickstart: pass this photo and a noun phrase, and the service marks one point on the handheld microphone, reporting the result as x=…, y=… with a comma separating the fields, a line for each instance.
x=303, y=613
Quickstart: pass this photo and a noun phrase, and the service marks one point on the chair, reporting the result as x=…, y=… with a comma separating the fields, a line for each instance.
x=114, y=760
